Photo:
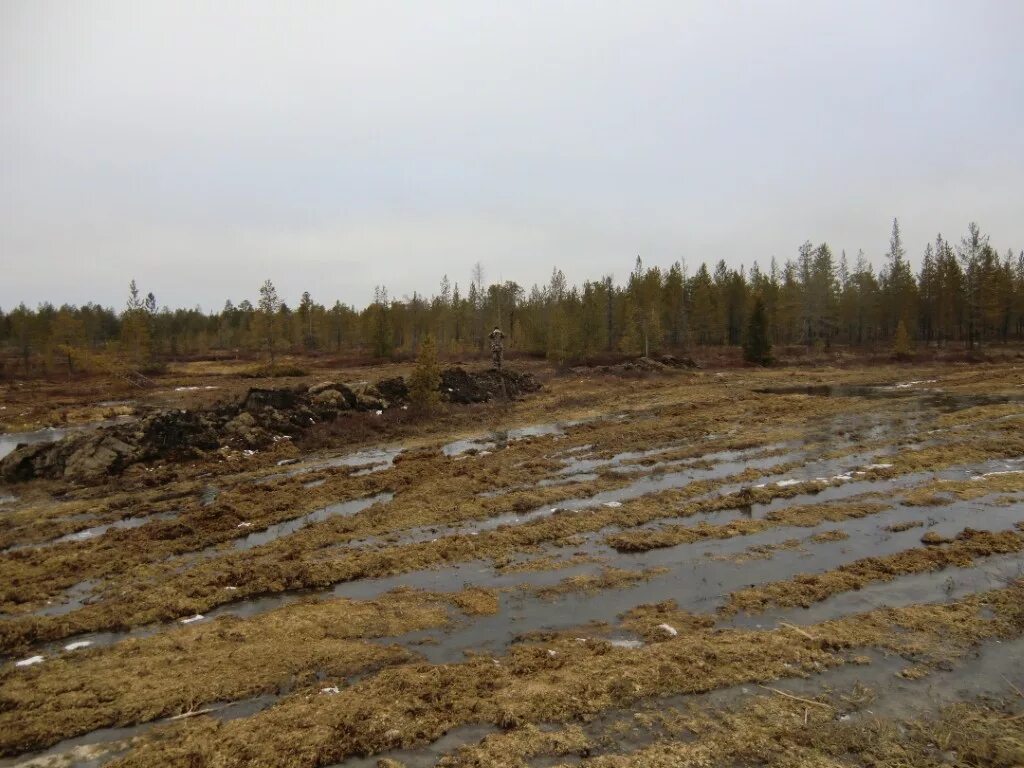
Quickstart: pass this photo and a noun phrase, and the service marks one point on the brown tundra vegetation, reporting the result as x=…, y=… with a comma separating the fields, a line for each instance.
x=617, y=566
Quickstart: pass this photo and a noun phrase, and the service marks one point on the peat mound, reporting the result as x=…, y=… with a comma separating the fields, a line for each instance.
x=260, y=418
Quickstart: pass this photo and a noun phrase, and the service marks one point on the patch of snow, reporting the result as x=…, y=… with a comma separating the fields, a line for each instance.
x=331, y=690
x=29, y=661
x=248, y=452
x=878, y=466
x=231, y=589
x=1002, y=472
x=190, y=619
x=788, y=482
x=552, y=653
x=613, y=504
x=631, y=644
x=246, y=524
x=909, y=384
x=378, y=413
x=668, y=629
x=77, y=645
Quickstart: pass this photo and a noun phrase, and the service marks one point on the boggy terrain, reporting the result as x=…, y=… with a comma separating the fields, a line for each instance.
x=658, y=566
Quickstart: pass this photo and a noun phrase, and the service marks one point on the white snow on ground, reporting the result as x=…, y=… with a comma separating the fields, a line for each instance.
x=668, y=629
x=1002, y=472
x=788, y=482
x=631, y=644
x=190, y=619
x=29, y=661
x=77, y=645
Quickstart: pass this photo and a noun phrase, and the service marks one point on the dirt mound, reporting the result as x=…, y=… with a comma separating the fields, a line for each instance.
x=395, y=390
x=261, y=417
x=461, y=386
x=660, y=364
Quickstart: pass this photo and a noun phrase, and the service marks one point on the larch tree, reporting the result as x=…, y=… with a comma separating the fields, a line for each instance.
x=268, y=319
x=135, y=329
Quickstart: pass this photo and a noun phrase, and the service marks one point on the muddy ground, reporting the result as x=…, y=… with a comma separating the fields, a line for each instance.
x=653, y=567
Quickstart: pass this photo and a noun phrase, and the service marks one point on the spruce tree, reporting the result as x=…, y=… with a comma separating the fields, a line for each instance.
x=756, y=347
x=426, y=378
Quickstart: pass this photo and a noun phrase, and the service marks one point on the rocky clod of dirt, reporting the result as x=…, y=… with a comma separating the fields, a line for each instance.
x=260, y=418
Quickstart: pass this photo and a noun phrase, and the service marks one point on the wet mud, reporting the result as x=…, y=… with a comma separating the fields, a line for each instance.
x=668, y=568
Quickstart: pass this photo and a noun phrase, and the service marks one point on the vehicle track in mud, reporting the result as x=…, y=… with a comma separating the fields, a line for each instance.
x=539, y=557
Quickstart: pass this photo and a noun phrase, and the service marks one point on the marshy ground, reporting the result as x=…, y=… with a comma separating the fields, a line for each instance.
x=780, y=567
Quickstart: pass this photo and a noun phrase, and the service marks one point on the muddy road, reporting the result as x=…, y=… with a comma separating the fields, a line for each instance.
x=687, y=567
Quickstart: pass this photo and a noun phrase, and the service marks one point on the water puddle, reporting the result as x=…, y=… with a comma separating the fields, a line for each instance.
x=424, y=756
x=700, y=576
x=11, y=440
x=929, y=397
x=341, y=509
x=368, y=461
x=74, y=598
x=501, y=438
x=101, y=746
x=96, y=531
x=940, y=586
x=984, y=674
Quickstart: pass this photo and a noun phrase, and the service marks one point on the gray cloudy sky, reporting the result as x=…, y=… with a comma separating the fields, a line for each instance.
x=202, y=147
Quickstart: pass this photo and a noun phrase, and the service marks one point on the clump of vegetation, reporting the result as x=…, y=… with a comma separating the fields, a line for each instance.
x=425, y=379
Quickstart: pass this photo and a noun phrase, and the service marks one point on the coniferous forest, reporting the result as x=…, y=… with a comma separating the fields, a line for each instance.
x=962, y=292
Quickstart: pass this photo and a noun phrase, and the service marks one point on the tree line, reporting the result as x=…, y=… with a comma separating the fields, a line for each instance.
x=963, y=292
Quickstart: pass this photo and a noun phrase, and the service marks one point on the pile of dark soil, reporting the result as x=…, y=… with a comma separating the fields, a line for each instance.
x=461, y=386
x=659, y=364
x=259, y=419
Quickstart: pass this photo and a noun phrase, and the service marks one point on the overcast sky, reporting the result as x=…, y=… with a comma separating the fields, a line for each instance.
x=202, y=147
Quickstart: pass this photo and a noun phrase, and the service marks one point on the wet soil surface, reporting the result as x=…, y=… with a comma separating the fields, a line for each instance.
x=719, y=484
